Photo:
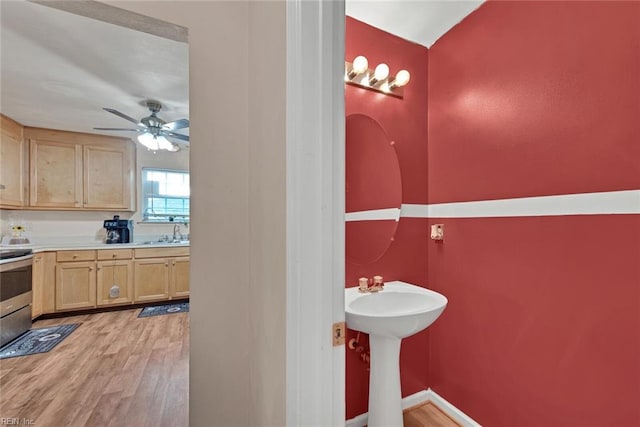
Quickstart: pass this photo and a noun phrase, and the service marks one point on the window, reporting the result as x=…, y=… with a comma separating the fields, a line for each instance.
x=165, y=195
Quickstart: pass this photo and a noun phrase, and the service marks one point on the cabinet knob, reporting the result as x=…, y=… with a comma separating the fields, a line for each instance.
x=75, y=256
x=166, y=264
x=2, y=187
x=113, y=255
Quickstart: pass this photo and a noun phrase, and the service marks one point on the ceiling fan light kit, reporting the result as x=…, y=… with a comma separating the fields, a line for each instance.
x=154, y=132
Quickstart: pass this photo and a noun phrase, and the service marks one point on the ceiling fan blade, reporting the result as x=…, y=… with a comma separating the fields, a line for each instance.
x=131, y=130
x=178, y=124
x=122, y=115
x=177, y=136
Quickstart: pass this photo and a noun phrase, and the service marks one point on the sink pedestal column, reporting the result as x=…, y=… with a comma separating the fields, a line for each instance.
x=385, y=397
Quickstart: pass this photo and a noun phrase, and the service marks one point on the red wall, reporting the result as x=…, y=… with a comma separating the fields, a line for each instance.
x=543, y=324
x=405, y=122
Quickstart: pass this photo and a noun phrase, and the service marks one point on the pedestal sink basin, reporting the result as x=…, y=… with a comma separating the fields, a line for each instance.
x=398, y=311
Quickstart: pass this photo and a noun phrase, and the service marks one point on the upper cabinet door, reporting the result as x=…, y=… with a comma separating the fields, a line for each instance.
x=72, y=170
x=55, y=174
x=12, y=164
x=107, y=177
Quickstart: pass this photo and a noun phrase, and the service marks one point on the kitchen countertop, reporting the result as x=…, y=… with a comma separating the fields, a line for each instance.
x=65, y=246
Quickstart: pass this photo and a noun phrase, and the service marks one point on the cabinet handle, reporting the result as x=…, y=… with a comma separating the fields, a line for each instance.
x=2, y=187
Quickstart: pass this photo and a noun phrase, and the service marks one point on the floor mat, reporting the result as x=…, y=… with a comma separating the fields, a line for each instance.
x=39, y=340
x=157, y=310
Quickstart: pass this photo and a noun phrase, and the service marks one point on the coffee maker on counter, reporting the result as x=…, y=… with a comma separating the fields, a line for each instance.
x=119, y=230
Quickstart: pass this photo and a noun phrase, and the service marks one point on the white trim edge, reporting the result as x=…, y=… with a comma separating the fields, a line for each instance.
x=315, y=378
x=423, y=396
x=372, y=215
x=604, y=203
x=454, y=413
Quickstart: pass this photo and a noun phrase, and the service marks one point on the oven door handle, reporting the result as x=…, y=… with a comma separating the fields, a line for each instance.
x=16, y=263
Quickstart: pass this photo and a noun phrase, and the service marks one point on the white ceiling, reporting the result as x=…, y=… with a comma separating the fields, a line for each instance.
x=58, y=70
x=422, y=22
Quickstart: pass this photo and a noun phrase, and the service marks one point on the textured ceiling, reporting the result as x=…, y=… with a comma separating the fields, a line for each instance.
x=422, y=22
x=59, y=69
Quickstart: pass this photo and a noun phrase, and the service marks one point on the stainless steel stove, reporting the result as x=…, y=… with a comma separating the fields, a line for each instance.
x=15, y=293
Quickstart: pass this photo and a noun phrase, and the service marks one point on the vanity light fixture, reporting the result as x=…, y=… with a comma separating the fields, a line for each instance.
x=359, y=74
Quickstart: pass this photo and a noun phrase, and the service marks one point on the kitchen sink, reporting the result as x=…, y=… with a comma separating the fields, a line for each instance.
x=164, y=242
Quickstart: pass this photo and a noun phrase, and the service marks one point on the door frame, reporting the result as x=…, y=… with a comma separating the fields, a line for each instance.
x=315, y=211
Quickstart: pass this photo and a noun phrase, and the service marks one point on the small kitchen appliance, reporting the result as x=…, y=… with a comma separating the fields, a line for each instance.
x=119, y=230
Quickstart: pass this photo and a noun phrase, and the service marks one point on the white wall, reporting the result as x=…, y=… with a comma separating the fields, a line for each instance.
x=44, y=226
x=238, y=303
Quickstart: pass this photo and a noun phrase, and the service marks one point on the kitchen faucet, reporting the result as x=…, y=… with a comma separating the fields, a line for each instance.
x=177, y=232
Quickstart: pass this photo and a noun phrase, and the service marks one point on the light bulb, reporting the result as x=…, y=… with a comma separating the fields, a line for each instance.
x=360, y=65
x=381, y=72
x=402, y=78
x=148, y=141
x=163, y=143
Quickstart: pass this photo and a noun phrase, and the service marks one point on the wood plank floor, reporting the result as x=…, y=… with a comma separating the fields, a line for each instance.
x=427, y=415
x=114, y=370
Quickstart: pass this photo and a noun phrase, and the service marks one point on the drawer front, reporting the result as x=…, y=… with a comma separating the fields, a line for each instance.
x=105, y=254
x=66, y=256
x=161, y=252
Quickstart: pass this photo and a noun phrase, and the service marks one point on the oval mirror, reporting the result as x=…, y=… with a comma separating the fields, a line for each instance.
x=373, y=189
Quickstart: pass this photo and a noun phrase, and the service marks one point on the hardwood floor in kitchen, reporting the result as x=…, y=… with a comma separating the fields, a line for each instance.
x=115, y=369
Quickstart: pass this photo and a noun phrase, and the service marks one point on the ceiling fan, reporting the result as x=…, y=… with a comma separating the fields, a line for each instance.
x=154, y=132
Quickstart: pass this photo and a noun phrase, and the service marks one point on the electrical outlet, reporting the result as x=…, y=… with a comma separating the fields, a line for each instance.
x=339, y=332
x=437, y=232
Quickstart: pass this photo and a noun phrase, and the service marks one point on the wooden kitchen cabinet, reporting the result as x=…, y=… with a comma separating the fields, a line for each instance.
x=43, y=283
x=151, y=281
x=70, y=170
x=13, y=165
x=161, y=273
x=108, y=178
x=75, y=285
x=179, y=283
x=114, y=276
x=75, y=279
x=114, y=281
x=55, y=174
x=37, y=285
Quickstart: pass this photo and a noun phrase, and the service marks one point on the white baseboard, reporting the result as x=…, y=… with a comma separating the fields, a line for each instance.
x=421, y=397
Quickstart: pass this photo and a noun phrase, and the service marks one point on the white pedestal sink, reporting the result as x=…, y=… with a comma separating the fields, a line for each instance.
x=398, y=311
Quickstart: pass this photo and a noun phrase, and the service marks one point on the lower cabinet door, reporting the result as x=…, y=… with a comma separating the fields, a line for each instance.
x=179, y=286
x=151, y=279
x=75, y=285
x=115, y=282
